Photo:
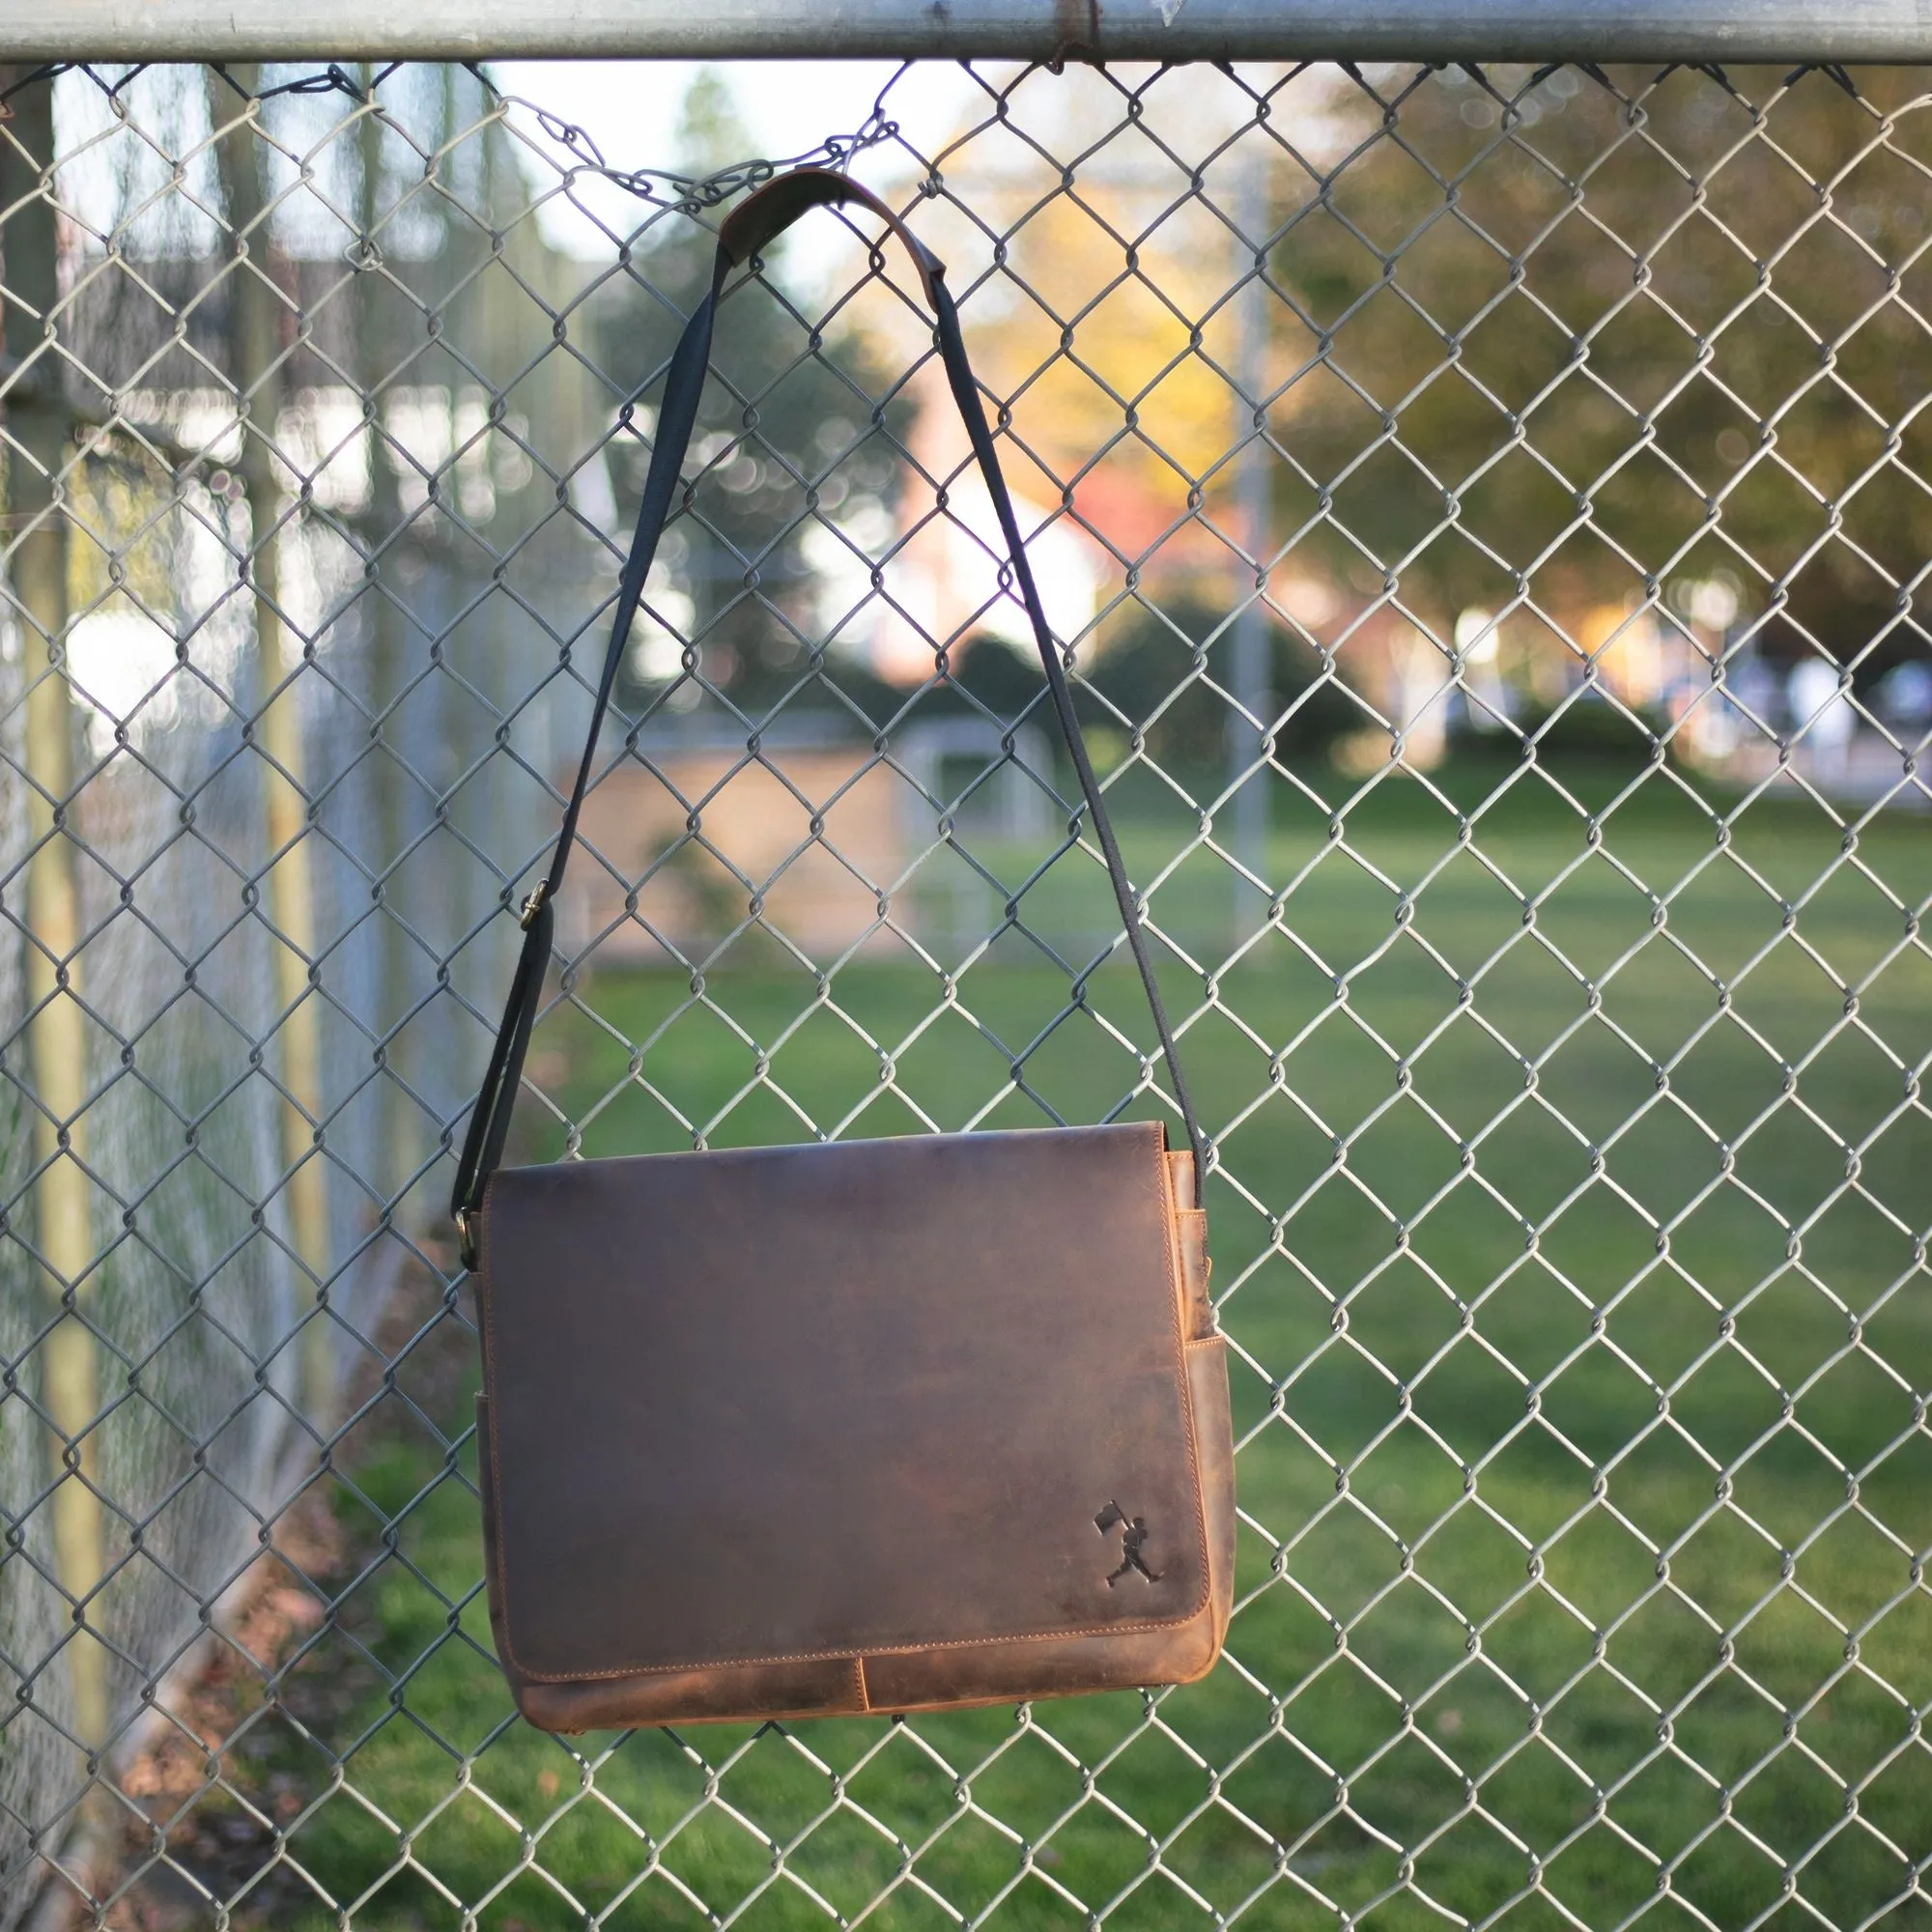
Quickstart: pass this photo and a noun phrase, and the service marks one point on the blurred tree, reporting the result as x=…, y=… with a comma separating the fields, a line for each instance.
x=795, y=433
x=1160, y=670
x=1691, y=313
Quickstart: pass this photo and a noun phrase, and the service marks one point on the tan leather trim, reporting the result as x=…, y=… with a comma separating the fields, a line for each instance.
x=698, y=1698
x=1163, y=1182
x=1207, y=1373
x=1164, y=1179
x=1183, y=1179
x=1197, y=1270
x=1022, y=1671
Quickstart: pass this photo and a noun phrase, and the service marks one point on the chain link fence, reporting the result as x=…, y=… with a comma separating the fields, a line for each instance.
x=1488, y=513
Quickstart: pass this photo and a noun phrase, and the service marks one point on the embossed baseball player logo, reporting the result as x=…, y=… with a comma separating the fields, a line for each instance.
x=1133, y=1540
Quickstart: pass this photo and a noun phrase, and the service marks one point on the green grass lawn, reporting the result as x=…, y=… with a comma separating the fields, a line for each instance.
x=1569, y=1235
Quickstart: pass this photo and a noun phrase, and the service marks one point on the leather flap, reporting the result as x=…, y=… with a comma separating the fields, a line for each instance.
x=793, y=1403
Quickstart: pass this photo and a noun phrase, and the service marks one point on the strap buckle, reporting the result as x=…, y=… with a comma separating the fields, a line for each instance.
x=527, y=917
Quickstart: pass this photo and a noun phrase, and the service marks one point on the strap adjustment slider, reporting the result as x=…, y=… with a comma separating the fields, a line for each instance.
x=527, y=917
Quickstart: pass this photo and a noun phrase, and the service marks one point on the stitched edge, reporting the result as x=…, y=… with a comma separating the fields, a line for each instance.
x=1176, y=1311
x=1164, y=1194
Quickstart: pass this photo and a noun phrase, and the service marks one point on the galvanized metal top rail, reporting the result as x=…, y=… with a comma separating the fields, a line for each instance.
x=1577, y=30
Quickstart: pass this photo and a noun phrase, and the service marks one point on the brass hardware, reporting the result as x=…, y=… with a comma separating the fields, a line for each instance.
x=466, y=1241
x=527, y=917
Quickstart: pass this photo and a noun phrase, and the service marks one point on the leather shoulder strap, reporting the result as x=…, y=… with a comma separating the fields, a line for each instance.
x=755, y=223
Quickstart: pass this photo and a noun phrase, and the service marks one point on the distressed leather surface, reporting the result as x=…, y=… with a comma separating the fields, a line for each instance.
x=860, y=1426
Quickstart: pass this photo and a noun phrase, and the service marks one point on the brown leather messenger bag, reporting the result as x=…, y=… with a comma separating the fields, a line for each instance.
x=856, y=1426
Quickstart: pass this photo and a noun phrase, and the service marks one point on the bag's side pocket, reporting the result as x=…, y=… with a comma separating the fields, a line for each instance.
x=1190, y=1230
x=1214, y=1454
x=1206, y=1354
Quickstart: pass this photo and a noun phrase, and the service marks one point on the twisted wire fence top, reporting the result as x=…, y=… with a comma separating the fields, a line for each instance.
x=1485, y=512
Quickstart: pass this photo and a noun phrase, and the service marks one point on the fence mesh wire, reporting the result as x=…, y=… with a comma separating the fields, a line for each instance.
x=1487, y=513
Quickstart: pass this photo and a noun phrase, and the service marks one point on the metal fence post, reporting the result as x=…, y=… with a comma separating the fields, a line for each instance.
x=386, y=657
x=257, y=352
x=38, y=438
x=1249, y=737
